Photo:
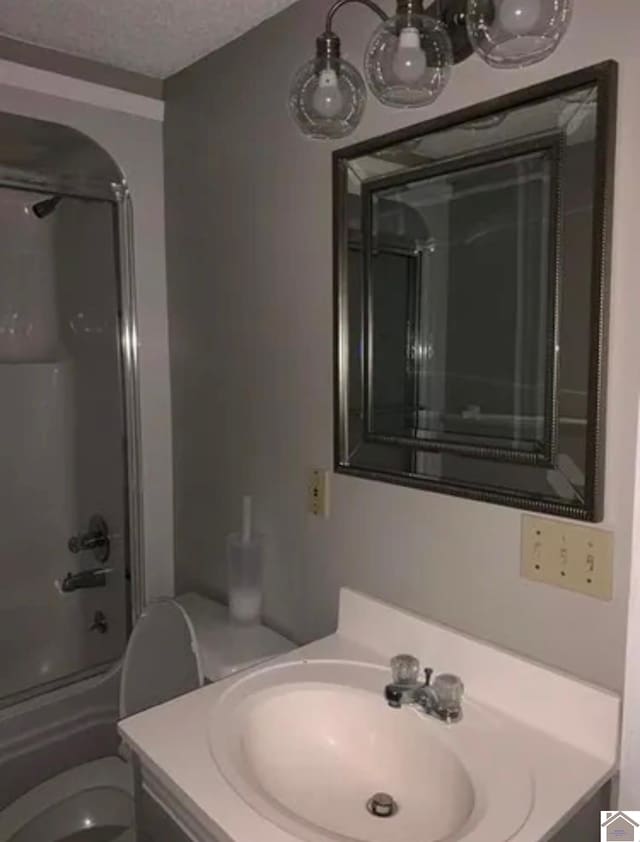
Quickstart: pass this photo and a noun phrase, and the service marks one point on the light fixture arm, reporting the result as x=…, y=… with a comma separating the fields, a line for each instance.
x=340, y=3
x=450, y=12
x=453, y=14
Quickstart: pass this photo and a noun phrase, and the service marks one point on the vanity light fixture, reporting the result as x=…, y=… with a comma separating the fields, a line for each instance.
x=409, y=57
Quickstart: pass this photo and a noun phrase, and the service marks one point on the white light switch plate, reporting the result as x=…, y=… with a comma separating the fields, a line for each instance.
x=576, y=557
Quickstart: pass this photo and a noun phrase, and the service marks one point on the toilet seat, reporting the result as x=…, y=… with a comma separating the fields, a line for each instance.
x=162, y=658
x=110, y=783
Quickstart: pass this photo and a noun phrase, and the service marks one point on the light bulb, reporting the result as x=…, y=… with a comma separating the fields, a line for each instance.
x=519, y=17
x=396, y=64
x=409, y=62
x=327, y=95
x=327, y=99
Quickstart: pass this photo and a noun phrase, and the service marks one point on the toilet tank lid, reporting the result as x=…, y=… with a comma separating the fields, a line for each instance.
x=226, y=647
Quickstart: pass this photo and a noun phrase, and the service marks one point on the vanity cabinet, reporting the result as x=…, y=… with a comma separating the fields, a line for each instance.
x=154, y=824
x=585, y=825
x=539, y=759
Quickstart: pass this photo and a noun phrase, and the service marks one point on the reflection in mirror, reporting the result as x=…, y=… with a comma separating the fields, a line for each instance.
x=444, y=245
x=471, y=295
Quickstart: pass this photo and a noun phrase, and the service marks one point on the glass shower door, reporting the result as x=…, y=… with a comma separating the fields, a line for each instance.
x=63, y=614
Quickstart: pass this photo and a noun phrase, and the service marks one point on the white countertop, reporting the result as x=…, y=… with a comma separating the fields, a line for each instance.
x=567, y=730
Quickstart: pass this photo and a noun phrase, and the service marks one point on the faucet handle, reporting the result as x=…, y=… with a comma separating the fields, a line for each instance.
x=449, y=691
x=405, y=670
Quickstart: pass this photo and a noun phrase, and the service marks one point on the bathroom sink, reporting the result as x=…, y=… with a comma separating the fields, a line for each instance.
x=313, y=747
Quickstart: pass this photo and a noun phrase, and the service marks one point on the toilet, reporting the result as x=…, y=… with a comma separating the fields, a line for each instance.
x=177, y=646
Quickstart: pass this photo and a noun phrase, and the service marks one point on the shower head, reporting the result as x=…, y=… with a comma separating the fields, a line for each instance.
x=45, y=207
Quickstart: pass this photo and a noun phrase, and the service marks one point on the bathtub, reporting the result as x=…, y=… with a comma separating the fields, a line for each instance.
x=54, y=732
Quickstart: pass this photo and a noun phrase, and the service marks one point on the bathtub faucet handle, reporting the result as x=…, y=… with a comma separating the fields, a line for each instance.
x=96, y=538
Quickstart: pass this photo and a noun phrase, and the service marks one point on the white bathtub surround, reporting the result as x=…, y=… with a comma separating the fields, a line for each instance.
x=564, y=732
x=29, y=313
x=38, y=502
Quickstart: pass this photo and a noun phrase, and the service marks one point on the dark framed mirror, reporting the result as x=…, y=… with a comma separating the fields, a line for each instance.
x=471, y=299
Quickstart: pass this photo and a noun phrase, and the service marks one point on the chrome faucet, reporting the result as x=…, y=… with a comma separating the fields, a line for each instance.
x=440, y=697
x=94, y=578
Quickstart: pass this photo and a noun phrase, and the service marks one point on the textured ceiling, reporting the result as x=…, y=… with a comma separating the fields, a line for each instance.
x=155, y=37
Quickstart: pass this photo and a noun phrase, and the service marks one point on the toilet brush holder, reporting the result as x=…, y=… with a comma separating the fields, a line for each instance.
x=244, y=570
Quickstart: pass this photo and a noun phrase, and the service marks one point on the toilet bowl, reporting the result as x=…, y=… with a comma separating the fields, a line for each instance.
x=89, y=803
x=164, y=659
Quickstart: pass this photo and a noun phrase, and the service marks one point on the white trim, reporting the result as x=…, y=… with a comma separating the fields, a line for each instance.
x=78, y=90
x=630, y=748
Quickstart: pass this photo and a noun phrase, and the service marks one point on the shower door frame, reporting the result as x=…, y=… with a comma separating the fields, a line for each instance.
x=119, y=196
x=129, y=365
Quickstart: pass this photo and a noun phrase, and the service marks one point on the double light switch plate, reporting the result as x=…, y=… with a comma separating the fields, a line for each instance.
x=576, y=557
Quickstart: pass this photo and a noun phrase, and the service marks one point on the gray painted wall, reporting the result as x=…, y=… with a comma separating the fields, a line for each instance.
x=249, y=263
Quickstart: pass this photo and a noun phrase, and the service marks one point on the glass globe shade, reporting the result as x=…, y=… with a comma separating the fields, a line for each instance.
x=408, y=60
x=516, y=33
x=327, y=98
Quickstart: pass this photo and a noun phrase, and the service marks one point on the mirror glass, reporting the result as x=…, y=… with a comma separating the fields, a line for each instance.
x=471, y=260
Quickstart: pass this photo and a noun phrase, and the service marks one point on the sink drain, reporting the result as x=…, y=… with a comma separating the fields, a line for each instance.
x=382, y=805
